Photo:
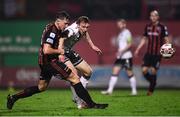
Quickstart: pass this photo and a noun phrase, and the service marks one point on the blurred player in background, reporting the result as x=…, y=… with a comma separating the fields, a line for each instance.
x=77, y=31
x=50, y=65
x=123, y=59
x=155, y=34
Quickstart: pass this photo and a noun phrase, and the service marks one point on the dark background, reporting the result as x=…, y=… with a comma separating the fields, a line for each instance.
x=95, y=9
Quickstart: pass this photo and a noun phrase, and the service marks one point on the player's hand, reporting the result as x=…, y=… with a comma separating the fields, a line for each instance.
x=119, y=54
x=61, y=51
x=61, y=58
x=136, y=53
x=95, y=48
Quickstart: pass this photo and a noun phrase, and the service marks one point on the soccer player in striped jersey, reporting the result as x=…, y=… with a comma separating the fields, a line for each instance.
x=49, y=63
x=123, y=59
x=155, y=34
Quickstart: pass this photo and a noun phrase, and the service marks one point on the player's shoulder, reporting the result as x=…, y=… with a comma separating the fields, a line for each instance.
x=127, y=31
x=51, y=27
x=148, y=25
x=73, y=26
x=162, y=25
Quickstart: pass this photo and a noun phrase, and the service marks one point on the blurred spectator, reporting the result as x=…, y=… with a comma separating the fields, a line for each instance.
x=14, y=8
x=95, y=9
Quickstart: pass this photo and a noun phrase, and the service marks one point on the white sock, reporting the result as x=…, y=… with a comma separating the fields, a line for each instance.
x=132, y=81
x=84, y=81
x=112, y=83
x=75, y=96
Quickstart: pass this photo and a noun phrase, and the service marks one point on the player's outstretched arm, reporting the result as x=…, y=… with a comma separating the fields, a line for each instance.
x=95, y=48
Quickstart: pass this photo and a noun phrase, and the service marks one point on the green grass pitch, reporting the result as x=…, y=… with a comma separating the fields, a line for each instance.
x=59, y=103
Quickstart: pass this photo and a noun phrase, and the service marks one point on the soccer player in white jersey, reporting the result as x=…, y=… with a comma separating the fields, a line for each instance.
x=77, y=31
x=123, y=59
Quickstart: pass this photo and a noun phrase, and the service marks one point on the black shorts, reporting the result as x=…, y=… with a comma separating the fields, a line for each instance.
x=151, y=61
x=124, y=63
x=54, y=68
x=73, y=56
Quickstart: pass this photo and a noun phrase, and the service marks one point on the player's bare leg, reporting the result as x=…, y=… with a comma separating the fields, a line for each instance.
x=113, y=80
x=132, y=80
x=11, y=99
x=86, y=71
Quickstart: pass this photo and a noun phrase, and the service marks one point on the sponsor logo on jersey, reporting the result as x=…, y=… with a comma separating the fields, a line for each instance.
x=52, y=35
x=49, y=40
x=153, y=33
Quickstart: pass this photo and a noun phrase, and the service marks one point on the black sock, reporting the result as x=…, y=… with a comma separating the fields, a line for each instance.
x=26, y=92
x=147, y=77
x=83, y=94
x=153, y=83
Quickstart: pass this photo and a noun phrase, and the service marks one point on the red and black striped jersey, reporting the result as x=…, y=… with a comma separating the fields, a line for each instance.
x=51, y=36
x=155, y=35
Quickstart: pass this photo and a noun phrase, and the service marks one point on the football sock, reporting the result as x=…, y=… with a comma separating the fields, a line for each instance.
x=153, y=83
x=26, y=92
x=83, y=94
x=75, y=96
x=147, y=77
x=112, y=83
x=84, y=81
x=132, y=81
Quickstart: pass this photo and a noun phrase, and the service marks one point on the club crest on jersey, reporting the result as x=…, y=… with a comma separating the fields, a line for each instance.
x=52, y=35
x=158, y=29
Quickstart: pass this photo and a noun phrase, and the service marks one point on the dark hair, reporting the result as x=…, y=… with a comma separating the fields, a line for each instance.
x=84, y=19
x=62, y=15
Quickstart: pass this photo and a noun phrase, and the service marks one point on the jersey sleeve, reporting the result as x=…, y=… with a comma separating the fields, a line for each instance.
x=50, y=37
x=129, y=36
x=65, y=34
x=164, y=31
x=70, y=32
x=72, y=29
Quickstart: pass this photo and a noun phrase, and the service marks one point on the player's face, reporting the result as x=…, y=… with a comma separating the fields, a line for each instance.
x=154, y=17
x=121, y=25
x=62, y=24
x=83, y=27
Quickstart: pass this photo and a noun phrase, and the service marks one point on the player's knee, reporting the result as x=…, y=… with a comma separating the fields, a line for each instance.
x=88, y=73
x=115, y=73
x=144, y=71
x=153, y=71
x=73, y=78
x=129, y=72
x=130, y=75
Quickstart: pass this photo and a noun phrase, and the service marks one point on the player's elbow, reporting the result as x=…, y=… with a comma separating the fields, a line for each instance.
x=46, y=51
